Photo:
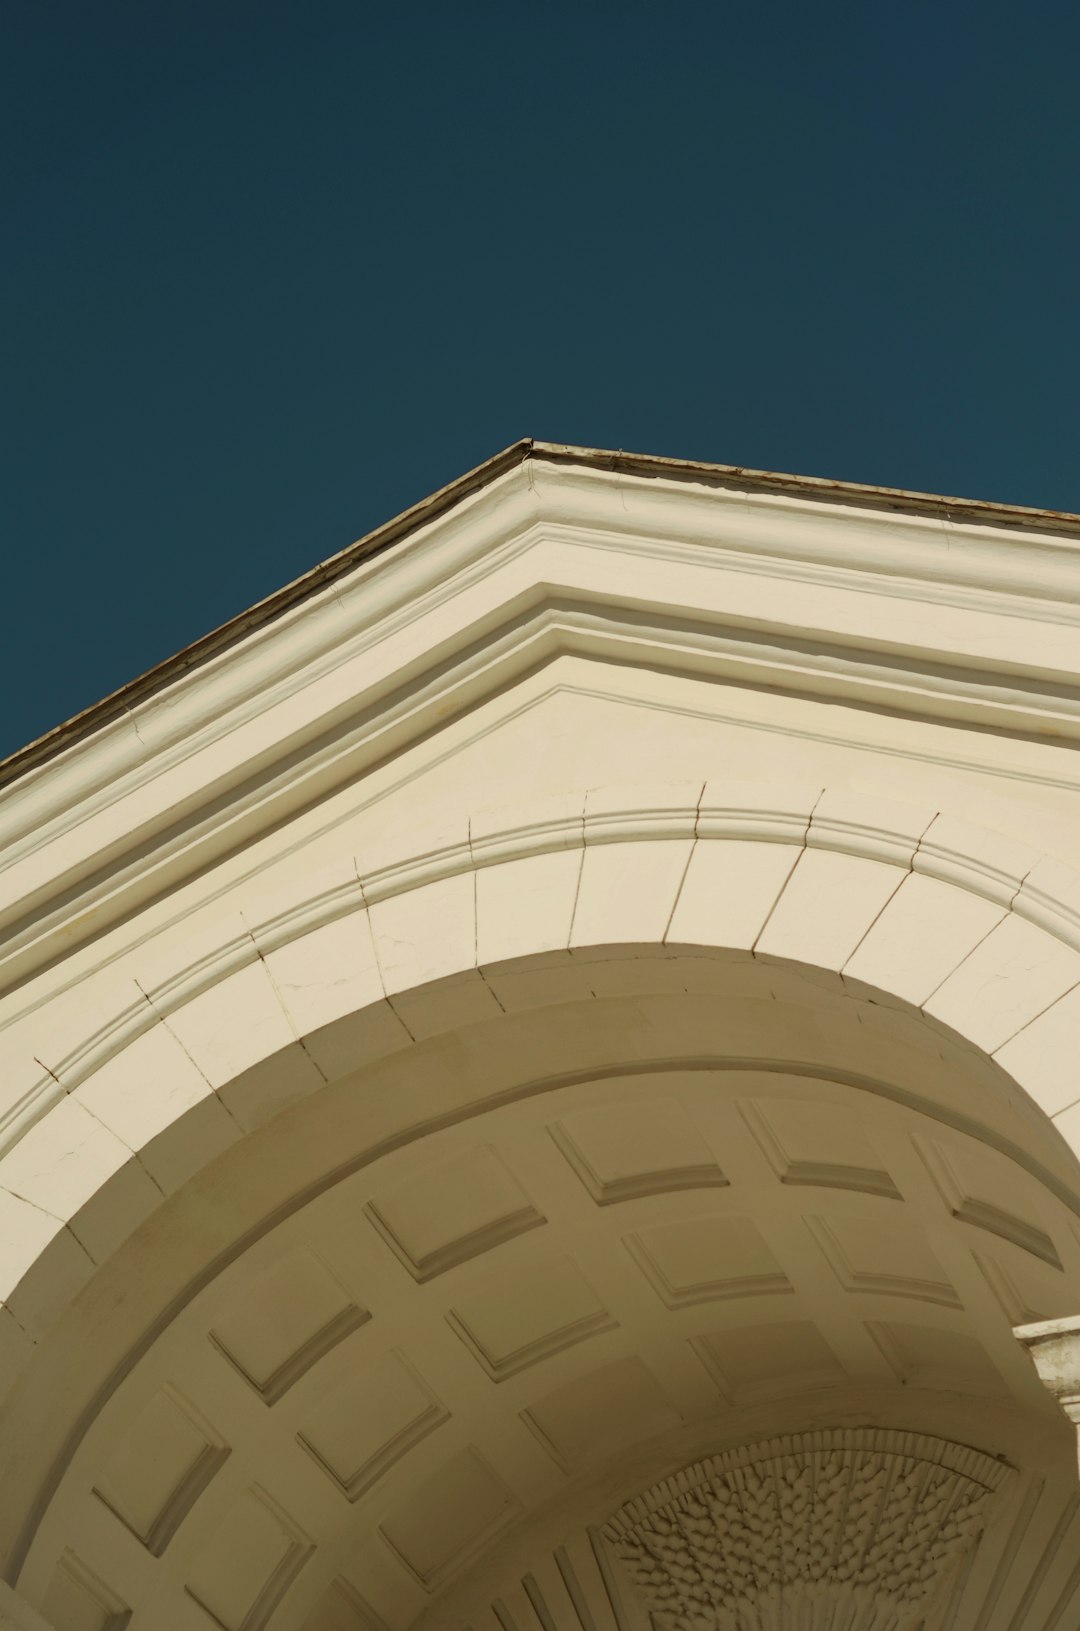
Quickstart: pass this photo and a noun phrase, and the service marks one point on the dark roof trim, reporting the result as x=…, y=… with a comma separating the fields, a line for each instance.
x=373, y=543
x=264, y=611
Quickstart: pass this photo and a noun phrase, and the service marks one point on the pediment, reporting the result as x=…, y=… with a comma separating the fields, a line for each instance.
x=883, y=604
x=545, y=1052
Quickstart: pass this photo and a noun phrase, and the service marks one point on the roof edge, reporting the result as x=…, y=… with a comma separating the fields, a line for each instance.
x=121, y=701
x=207, y=646
x=988, y=511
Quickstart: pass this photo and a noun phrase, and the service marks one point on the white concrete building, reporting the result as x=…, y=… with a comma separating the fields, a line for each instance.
x=541, y=1076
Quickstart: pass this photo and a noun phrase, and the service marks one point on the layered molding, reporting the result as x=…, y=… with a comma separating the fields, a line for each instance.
x=856, y=1526
x=511, y=575
x=1054, y=1346
x=982, y=863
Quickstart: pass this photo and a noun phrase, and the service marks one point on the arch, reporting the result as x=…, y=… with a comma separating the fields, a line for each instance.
x=901, y=908
x=905, y=954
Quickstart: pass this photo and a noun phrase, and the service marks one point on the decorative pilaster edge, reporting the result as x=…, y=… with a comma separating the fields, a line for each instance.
x=1054, y=1347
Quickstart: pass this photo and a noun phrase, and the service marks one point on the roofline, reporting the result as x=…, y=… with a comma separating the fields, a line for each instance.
x=119, y=702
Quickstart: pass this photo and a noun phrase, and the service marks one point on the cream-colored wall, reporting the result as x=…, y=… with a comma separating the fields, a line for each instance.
x=854, y=611
x=585, y=774
x=580, y=724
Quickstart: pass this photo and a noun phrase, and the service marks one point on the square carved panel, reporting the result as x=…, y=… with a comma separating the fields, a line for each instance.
x=816, y=1145
x=986, y=1189
x=451, y=1212
x=296, y=1312
x=367, y=1423
x=526, y=1317
x=699, y=1260
x=596, y=1414
x=255, y=1555
x=932, y=1356
x=621, y=1152
x=891, y=1260
x=448, y=1517
x=341, y=1608
x=749, y=1361
x=1027, y=1291
x=78, y=1601
x=159, y=1469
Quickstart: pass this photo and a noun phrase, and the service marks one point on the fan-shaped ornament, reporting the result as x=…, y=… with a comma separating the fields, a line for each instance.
x=856, y=1528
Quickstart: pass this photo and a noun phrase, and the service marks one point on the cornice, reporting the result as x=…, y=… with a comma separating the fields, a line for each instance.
x=120, y=703
x=764, y=589
x=1052, y=524
x=865, y=495
x=939, y=554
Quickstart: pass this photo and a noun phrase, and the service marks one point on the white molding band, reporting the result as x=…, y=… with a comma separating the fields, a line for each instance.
x=512, y=576
x=979, y=862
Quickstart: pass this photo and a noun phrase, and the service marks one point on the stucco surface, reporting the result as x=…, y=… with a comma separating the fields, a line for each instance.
x=594, y=988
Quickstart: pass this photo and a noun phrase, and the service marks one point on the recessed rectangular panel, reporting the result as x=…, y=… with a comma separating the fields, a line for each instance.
x=696, y=1260
x=1027, y=1291
x=255, y=1555
x=600, y=1412
x=296, y=1312
x=986, y=1189
x=77, y=1600
x=159, y=1468
x=933, y=1356
x=816, y=1145
x=769, y=1359
x=528, y=1316
x=341, y=1608
x=445, y=1519
x=451, y=1212
x=368, y=1422
x=650, y=1147
x=887, y=1259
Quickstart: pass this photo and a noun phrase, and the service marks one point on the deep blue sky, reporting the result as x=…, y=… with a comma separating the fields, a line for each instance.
x=270, y=273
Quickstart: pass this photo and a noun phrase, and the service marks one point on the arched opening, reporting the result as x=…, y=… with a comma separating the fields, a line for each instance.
x=398, y=1355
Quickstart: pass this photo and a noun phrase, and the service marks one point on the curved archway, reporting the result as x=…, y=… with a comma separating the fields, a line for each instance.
x=571, y=961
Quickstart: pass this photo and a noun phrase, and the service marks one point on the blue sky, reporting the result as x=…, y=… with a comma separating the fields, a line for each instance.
x=273, y=272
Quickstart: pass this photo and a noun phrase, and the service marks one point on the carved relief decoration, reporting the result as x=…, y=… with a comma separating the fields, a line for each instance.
x=856, y=1527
